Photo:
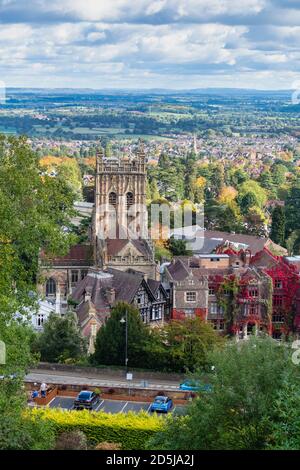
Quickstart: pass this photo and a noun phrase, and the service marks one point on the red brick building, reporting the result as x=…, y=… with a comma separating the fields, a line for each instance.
x=236, y=292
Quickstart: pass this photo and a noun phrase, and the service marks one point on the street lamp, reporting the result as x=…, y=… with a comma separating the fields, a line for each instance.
x=125, y=320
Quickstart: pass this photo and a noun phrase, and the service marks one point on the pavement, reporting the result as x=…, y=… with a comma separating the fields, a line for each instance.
x=110, y=406
x=103, y=380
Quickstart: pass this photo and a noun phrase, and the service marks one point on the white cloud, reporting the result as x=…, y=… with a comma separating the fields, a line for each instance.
x=175, y=42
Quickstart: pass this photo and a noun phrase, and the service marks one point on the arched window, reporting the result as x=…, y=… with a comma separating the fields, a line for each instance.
x=112, y=199
x=50, y=287
x=129, y=199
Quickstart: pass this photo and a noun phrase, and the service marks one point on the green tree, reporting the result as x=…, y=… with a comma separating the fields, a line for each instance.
x=110, y=340
x=240, y=410
x=279, y=174
x=278, y=225
x=217, y=179
x=108, y=150
x=69, y=172
x=255, y=189
x=292, y=210
x=237, y=177
x=60, y=340
x=188, y=344
x=178, y=247
x=266, y=180
x=33, y=210
x=247, y=201
x=229, y=217
x=285, y=433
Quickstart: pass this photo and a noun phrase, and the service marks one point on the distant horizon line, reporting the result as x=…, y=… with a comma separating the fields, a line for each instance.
x=152, y=89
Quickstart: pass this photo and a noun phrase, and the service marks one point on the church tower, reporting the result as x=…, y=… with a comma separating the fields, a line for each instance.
x=120, y=219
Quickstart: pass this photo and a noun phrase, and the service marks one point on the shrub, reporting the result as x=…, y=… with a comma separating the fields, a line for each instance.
x=131, y=430
x=108, y=446
x=73, y=440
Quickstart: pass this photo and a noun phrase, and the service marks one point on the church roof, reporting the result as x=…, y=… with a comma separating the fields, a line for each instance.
x=114, y=246
x=79, y=255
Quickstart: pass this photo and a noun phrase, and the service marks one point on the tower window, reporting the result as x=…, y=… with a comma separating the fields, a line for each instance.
x=50, y=287
x=129, y=199
x=112, y=199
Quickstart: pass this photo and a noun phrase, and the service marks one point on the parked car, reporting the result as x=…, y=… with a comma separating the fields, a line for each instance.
x=195, y=386
x=161, y=403
x=86, y=399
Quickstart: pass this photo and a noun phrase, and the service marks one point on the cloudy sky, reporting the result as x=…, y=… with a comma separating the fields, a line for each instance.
x=150, y=44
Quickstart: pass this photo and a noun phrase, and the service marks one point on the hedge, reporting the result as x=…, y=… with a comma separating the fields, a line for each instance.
x=131, y=430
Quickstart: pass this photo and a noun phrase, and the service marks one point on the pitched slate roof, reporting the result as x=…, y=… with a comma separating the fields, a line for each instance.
x=98, y=283
x=114, y=246
x=209, y=240
x=79, y=255
x=177, y=270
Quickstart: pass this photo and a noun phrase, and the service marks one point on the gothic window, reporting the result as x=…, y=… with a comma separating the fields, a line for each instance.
x=112, y=199
x=50, y=287
x=129, y=199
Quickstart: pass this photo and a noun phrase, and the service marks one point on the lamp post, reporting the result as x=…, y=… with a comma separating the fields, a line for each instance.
x=125, y=320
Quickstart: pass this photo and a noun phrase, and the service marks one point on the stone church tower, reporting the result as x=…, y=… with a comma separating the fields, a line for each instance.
x=120, y=227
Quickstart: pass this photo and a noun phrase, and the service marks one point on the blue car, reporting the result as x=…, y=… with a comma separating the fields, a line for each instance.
x=161, y=403
x=195, y=386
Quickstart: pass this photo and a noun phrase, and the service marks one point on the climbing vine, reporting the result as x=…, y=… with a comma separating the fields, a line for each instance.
x=227, y=294
x=267, y=300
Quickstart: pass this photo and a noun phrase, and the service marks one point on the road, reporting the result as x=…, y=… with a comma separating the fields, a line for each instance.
x=68, y=378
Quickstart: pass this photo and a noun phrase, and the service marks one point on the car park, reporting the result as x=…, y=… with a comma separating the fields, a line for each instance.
x=161, y=404
x=86, y=400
